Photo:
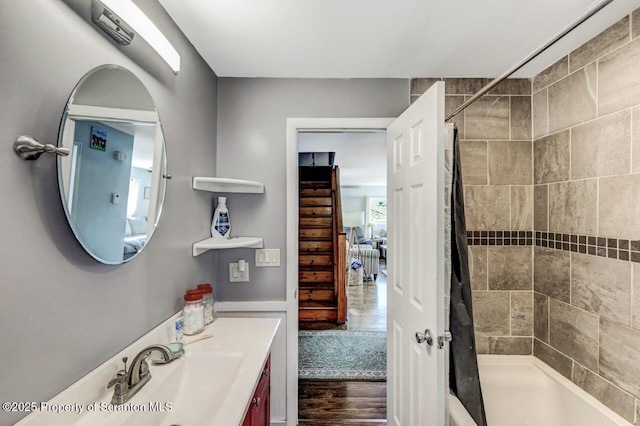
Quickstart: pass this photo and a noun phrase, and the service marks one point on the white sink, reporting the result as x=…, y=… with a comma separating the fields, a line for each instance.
x=188, y=391
x=211, y=385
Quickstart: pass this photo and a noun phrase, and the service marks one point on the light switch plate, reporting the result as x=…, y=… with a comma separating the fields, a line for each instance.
x=268, y=257
x=235, y=276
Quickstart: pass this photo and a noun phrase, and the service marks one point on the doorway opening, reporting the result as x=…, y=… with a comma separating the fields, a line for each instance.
x=296, y=127
x=342, y=358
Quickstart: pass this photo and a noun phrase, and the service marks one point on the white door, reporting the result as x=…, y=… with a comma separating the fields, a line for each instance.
x=415, y=196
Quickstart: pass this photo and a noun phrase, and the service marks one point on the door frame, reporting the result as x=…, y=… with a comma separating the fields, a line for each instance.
x=294, y=126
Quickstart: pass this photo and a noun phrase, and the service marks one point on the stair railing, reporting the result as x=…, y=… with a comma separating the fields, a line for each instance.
x=339, y=249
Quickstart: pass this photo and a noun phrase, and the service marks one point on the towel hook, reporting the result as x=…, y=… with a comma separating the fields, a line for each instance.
x=28, y=148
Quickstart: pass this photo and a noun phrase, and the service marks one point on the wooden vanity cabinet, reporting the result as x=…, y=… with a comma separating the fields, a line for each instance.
x=259, y=413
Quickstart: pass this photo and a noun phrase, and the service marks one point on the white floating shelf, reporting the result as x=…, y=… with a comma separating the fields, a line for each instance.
x=234, y=242
x=227, y=185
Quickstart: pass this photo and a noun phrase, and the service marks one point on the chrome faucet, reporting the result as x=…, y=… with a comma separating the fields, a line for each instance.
x=128, y=383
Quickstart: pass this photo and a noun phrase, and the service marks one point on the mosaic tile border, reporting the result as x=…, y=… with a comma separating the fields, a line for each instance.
x=499, y=238
x=612, y=248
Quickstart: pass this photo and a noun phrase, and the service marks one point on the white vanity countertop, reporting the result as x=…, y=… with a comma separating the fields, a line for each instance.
x=244, y=341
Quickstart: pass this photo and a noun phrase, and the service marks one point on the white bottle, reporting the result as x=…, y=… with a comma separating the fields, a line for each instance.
x=221, y=224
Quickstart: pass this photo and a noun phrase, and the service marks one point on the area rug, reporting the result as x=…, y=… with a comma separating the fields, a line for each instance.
x=342, y=355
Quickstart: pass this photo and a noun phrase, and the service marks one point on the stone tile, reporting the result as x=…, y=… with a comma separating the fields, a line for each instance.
x=635, y=32
x=488, y=118
x=610, y=395
x=521, y=208
x=478, y=267
x=619, y=349
x=572, y=207
x=464, y=86
x=482, y=344
x=619, y=207
x=619, y=79
x=552, y=74
x=551, y=156
x=509, y=345
x=551, y=273
x=601, y=147
x=635, y=140
x=512, y=86
x=540, y=113
x=559, y=362
x=522, y=313
x=520, y=117
x=509, y=268
x=541, y=316
x=491, y=313
x=635, y=303
x=540, y=207
x=451, y=103
x=473, y=156
x=487, y=207
x=574, y=332
x=601, y=286
x=605, y=42
x=421, y=85
x=509, y=162
x=572, y=100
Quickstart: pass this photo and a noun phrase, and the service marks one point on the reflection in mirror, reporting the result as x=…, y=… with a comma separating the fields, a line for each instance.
x=112, y=184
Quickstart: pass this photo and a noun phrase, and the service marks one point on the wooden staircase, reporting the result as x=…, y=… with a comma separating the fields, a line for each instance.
x=318, y=257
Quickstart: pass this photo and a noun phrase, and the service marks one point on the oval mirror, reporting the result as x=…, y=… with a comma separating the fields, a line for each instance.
x=112, y=183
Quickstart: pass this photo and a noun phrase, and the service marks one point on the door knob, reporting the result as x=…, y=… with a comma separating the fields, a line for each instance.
x=425, y=337
x=444, y=337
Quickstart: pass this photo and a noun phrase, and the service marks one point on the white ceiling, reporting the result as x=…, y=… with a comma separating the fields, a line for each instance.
x=382, y=38
x=361, y=156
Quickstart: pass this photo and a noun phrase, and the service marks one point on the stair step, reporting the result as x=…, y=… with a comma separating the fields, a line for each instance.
x=315, y=202
x=315, y=184
x=316, y=295
x=315, y=260
x=316, y=222
x=317, y=314
x=317, y=304
x=316, y=234
x=315, y=211
x=315, y=247
x=315, y=192
x=315, y=268
x=315, y=277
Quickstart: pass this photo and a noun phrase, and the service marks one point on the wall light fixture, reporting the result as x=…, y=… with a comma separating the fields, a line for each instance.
x=122, y=19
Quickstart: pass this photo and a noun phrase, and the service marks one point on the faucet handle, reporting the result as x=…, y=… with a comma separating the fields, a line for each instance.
x=119, y=378
x=121, y=388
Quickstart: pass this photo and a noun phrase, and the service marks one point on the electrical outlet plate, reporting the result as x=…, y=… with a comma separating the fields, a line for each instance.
x=235, y=276
x=267, y=257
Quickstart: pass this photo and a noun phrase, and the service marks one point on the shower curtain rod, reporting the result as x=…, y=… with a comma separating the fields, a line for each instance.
x=592, y=10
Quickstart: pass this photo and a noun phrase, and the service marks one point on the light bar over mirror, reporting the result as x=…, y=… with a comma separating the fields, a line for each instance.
x=122, y=19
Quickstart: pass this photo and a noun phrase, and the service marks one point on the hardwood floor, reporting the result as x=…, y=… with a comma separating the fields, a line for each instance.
x=343, y=403
x=349, y=403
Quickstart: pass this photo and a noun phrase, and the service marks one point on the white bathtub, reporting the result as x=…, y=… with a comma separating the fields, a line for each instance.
x=524, y=391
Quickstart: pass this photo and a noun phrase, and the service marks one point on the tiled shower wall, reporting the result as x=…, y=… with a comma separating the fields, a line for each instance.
x=496, y=155
x=586, y=127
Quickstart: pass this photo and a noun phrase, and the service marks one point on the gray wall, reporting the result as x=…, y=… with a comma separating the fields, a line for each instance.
x=61, y=312
x=252, y=140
